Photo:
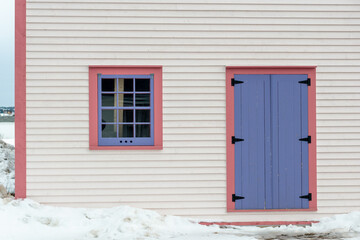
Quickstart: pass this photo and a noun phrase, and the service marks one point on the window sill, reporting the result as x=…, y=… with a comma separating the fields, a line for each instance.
x=125, y=147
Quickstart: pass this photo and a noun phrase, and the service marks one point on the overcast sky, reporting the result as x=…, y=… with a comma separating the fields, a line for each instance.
x=7, y=53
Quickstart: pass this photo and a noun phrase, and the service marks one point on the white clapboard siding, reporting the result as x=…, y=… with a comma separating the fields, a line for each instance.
x=194, y=41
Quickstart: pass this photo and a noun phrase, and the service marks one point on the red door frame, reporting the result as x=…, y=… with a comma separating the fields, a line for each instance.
x=230, y=148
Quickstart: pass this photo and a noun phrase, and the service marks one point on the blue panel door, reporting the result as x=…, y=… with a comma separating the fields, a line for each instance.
x=271, y=164
x=252, y=123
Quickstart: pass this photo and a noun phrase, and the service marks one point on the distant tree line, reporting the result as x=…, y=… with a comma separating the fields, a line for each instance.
x=7, y=111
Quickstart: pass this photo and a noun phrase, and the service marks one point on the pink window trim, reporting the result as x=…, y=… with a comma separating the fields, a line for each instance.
x=93, y=104
x=20, y=98
x=230, y=149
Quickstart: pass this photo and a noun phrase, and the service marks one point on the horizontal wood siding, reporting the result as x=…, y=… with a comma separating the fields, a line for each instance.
x=193, y=41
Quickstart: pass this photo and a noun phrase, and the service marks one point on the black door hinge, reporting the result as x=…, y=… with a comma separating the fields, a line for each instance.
x=307, y=82
x=234, y=197
x=233, y=82
x=308, y=197
x=307, y=139
x=234, y=140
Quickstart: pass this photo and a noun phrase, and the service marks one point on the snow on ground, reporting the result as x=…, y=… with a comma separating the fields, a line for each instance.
x=26, y=219
x=7, y=131
x=9, y=141
x=7, y=166
x=29, y=220
x=7, y=156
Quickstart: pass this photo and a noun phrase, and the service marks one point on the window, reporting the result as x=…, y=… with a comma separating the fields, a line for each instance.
x=128, y=107
x=126, y=110
x=271, y=139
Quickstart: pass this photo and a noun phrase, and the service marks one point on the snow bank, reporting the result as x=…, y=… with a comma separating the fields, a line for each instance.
x=344, y=226
x=7, y=166
x=7, y=130
x=9, y=141
x=26, y=219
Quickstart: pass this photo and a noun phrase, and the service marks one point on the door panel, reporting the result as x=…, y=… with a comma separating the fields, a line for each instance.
x=288, y=124
x=252, y=123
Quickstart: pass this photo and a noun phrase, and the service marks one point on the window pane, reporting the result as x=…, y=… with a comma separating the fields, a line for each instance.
x=126, y=115
x=142, y=85
x=108, y=100
x=142, y=115
x=108, y=130
x=142, y=100
x=108, y=116
x=126, y=130
x=126, y=100
x=108, y=85
x=143, y=130
x=125, y=85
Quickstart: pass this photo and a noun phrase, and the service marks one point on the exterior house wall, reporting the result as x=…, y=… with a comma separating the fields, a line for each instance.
x=194, y=41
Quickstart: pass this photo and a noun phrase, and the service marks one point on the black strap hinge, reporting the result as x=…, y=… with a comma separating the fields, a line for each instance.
x=233, y=82
x=234, y=197
x=307, y=82
x=307, y=196
x=307, y=139
x=234, y=140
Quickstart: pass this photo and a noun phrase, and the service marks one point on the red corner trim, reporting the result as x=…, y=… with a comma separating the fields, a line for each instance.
x=20, y=98
x=230, y=149
x=266, y=223
x=93, y=103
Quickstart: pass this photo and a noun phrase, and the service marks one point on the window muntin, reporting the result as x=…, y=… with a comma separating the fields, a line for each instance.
x=126, y=110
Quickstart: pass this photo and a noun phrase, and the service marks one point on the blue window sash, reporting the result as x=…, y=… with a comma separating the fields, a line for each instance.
x=128, y=141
